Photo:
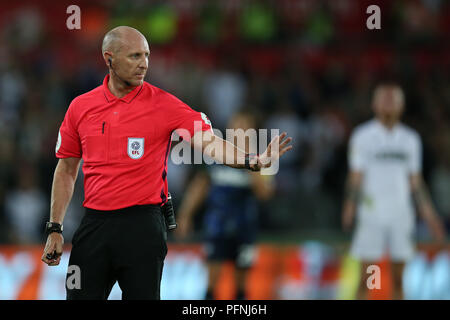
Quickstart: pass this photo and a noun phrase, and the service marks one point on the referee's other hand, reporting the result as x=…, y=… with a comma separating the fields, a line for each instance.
x=53, y=249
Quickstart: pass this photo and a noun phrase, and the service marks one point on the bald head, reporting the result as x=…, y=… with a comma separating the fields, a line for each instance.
x=116, y=37
x=125, y=51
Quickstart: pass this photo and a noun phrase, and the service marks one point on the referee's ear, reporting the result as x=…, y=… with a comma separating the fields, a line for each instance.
x=107, y=56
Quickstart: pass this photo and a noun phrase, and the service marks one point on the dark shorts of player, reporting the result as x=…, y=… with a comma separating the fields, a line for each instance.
x=127, y=246
x=240, y=251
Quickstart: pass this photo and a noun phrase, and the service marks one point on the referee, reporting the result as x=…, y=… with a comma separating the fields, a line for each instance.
x=122, y=131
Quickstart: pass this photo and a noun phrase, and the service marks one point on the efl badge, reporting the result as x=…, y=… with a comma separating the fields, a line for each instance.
x=135, y=147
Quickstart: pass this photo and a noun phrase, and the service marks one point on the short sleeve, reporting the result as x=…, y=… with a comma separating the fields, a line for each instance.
x=415, y=152
x=185, y=121
x=68, y=144
x=357, y=155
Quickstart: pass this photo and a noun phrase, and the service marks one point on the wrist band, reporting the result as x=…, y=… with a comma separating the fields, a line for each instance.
x=51, y=227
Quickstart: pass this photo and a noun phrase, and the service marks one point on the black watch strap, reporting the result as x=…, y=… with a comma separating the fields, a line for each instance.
x=51, y=227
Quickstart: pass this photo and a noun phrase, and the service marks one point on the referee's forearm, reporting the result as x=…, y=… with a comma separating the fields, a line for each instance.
x=220, y=150
x=225, y=152
x=62, y=191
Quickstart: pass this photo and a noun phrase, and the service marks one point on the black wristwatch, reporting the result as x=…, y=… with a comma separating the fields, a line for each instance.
x=252, y=167
x=51, y=227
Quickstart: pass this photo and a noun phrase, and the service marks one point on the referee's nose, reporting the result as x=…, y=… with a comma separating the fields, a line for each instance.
x=143, y=64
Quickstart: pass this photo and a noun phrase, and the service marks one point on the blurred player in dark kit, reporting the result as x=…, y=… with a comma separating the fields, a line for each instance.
x=231, y=212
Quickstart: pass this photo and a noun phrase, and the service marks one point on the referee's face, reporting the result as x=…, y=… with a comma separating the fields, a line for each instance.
x=131, y=60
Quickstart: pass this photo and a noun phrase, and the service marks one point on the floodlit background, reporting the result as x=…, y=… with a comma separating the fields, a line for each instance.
x=302, y=66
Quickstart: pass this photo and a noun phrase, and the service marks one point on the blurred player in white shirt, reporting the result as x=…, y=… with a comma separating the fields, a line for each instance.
x=384, y=182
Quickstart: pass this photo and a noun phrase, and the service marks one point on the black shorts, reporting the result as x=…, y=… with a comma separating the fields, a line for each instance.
x=126, y=245
x=241, y=252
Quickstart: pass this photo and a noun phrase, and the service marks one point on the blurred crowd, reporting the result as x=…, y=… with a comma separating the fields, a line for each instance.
x=301, y=66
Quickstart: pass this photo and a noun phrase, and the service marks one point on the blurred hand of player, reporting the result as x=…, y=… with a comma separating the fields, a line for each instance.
x=348, y=214
x=275, y=150
x=437, y=230
x=53, y=249
x=183, y=228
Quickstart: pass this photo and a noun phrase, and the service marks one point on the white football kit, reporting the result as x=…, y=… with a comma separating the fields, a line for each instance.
x=385, y=218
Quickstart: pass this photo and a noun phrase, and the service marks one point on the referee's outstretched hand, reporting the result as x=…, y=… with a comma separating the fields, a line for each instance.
x=53, y=249
x=276, y=148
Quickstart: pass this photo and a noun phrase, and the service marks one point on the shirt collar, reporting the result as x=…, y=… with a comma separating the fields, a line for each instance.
x=383, y=128
x=127, y=98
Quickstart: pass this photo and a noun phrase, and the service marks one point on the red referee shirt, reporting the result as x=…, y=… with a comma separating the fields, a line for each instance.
x=125, y=143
